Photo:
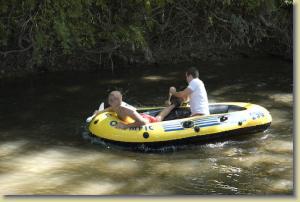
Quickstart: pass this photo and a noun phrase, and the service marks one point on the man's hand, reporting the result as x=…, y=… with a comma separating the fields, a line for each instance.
x=172, y=90
x=121, y=125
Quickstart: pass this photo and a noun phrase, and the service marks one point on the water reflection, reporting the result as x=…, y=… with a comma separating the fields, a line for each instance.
x=284, y=98
x=43, y=150
x=158, y=78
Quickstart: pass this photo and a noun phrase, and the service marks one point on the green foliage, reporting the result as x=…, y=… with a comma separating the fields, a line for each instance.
x=43, y=32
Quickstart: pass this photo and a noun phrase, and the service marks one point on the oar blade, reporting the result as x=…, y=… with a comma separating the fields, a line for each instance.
x=101, y=107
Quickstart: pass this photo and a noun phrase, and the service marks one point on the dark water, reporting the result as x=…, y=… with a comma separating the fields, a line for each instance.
x=43, y=149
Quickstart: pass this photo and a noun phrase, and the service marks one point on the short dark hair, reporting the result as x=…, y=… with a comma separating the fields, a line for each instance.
x=192, y=71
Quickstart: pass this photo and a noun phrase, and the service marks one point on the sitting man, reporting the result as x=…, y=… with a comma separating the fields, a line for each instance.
x=128, y=113
x=195, y=92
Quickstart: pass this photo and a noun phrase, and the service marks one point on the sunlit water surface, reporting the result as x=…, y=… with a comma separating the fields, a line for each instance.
x=44, y=148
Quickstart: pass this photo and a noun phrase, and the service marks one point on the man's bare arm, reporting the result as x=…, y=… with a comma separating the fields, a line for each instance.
x=138, y=120
x=182, y=94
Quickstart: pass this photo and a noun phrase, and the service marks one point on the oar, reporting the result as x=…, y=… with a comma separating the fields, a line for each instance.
x=101, y=107
x=168, y=101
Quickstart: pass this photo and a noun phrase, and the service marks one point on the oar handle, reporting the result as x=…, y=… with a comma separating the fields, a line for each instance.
x=168, y=101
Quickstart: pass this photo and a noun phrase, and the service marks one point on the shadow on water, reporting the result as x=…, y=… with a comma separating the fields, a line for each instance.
x=43, y=149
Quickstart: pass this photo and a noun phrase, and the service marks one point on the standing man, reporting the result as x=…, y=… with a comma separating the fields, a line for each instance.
x=195, y=92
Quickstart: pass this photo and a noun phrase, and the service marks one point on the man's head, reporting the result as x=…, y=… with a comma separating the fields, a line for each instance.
x=115, y=98
x=191, y=74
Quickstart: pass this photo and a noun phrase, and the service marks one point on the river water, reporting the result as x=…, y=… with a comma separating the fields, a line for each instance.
x=44, y=148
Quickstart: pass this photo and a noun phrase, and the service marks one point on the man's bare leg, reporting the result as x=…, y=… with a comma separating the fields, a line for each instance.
x=165, y=112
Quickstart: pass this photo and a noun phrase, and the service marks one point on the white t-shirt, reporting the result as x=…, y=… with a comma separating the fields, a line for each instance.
x=198, y=97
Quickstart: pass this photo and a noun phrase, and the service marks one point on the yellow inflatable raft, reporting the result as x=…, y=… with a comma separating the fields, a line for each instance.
x=226, y=119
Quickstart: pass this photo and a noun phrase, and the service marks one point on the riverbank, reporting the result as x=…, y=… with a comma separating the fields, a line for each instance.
x=69, y=66
x=86, y=35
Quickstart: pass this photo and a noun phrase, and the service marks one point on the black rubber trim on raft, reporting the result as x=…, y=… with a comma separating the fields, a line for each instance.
x=190, y=140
